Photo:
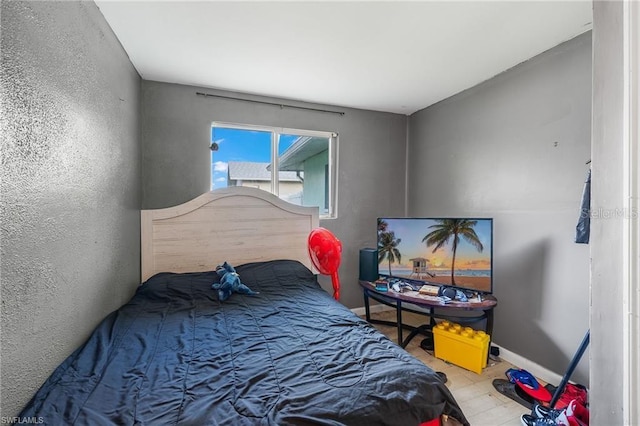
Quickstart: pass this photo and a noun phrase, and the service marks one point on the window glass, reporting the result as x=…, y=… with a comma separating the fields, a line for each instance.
x=306, y=159
x=245, y=155
x=242, y=158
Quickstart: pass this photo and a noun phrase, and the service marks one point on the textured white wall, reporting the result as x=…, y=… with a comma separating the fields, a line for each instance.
x=70, y=186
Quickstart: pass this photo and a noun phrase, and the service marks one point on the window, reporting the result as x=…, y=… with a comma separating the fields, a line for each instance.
x=296, y=165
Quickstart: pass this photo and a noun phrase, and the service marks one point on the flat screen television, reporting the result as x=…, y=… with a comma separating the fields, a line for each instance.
x=456, y=252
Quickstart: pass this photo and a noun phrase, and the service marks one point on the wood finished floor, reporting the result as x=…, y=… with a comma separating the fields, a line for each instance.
x=480, y=402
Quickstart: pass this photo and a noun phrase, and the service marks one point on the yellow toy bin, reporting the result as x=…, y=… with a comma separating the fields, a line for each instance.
x=462, y=346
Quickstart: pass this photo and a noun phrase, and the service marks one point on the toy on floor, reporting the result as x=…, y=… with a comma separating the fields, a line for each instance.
x=229, y=282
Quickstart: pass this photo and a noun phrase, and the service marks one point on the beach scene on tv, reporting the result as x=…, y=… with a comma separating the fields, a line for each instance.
x=448, y=251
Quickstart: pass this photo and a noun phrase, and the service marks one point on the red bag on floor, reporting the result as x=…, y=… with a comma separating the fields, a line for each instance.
x=571, y=392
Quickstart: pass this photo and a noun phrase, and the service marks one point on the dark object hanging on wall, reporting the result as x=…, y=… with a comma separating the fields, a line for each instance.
x=584, y=221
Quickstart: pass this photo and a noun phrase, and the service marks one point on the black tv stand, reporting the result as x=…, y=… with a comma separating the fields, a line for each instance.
x=433, y=307
x=416, y=284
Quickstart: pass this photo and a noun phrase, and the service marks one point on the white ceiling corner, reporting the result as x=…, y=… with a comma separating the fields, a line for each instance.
x=385, y=56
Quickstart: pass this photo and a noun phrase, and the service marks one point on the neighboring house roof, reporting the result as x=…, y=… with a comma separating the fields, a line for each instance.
x=302, y=148
x=247, y=170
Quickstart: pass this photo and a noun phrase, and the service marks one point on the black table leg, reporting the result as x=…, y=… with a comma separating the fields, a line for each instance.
x=399, y=320
x=424, y=329
x=489, y=329
x=367, y=310
x=489, y=315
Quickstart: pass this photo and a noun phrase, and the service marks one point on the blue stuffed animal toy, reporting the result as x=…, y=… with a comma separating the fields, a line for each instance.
x=229, y=282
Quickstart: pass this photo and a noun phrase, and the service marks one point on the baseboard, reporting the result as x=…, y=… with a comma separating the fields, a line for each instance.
x=373, y=309
x=537, y=370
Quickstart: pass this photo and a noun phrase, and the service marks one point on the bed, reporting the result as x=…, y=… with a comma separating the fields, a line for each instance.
x=290, y=355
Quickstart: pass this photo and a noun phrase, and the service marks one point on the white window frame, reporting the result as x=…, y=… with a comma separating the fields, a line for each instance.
x=332, y=212
x=631, y=222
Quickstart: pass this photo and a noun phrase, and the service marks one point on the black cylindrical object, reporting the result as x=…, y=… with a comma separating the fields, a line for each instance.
x=368, y=264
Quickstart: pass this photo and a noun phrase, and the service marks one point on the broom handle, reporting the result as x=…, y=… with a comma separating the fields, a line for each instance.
x=572, y=366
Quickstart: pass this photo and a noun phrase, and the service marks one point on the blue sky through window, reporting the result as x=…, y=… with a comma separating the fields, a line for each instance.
x=241, y=145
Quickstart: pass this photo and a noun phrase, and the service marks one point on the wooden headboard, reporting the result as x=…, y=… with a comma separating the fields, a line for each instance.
x=236, y=224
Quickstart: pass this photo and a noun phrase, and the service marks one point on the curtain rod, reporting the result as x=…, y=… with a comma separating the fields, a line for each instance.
x=270, y=103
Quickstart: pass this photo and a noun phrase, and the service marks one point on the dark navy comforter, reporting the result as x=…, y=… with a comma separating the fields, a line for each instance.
x=289, y=356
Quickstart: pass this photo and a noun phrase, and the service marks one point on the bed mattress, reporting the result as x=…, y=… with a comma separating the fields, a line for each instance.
x=290, y=355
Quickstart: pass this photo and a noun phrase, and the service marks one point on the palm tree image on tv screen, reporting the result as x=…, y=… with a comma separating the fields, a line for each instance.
x=449, y=251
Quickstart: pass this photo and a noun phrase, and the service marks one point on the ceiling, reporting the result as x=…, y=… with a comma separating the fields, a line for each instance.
x=385, y=56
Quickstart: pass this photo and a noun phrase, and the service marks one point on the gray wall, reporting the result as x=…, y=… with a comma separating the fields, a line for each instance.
x=70, y=186
x=514, y=148
x=607, y=349
x=371, y=157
